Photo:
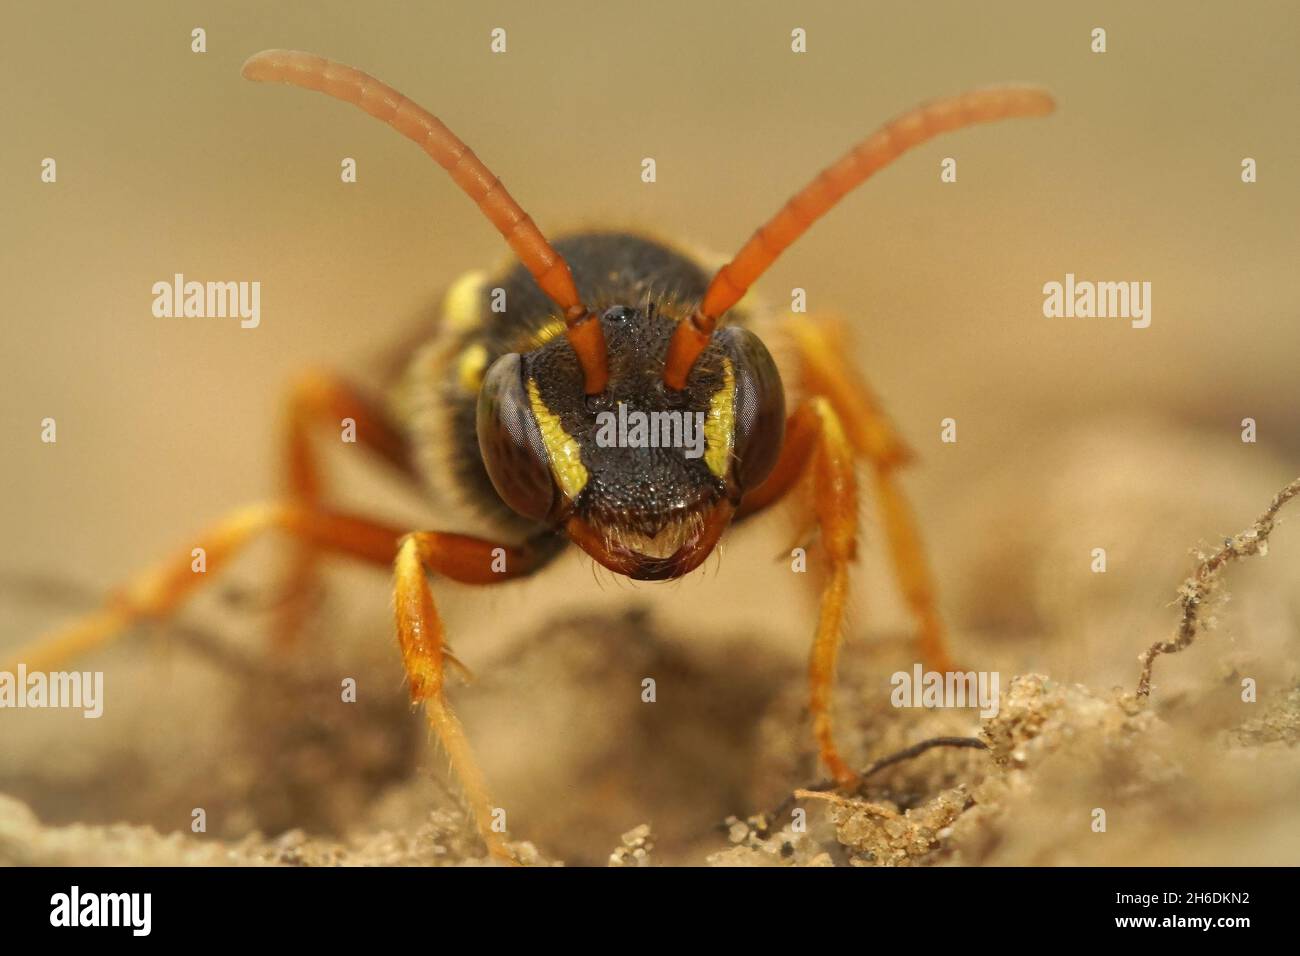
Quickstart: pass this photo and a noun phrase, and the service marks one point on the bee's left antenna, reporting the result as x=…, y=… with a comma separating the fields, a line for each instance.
x=469, y=173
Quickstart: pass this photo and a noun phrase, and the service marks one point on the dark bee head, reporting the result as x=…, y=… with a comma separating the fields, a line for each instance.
x=643, y=477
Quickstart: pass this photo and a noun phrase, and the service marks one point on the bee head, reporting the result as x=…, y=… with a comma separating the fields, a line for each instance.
x=642, y=476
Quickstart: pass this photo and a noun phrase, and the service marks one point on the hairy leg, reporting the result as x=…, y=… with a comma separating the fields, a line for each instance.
x=816, y=441
x=157, y=592
x=421, y=638
x=822, y=347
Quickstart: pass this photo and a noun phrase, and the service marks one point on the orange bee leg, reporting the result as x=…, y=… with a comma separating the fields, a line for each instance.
x=421, y=638
x=317, y=400
x=156, y=593
x=822, y=348
x=816, y=441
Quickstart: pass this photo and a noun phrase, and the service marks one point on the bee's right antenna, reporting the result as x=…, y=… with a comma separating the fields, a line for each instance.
x=470, y=174
x=874, y=153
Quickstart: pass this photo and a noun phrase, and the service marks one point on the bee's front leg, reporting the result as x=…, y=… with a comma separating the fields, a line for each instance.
x=424, y=652
x=815, y=441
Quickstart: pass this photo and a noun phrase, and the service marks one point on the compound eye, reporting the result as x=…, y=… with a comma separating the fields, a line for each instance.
x=510, y=442
x=759, y=407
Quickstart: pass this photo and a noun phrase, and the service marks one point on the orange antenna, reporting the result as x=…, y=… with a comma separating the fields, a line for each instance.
x=832, y=183
x=469, y=173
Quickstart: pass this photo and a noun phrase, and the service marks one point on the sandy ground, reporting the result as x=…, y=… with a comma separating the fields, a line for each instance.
x=591, y=774
x=1177, y=787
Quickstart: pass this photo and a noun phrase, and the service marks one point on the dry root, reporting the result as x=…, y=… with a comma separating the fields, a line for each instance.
x=1197, y=589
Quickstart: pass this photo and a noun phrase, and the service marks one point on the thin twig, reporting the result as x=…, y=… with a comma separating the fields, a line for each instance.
x=1197, y=589
x=917, y=749
x=907, y=753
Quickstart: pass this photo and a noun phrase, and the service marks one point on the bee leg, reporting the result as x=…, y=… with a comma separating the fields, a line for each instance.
x=156, y=593
x=821, y=347
x=318, y=399
x=420, y=636
x=815, y=440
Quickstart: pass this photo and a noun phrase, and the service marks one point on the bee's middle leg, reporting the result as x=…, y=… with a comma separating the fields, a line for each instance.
x=319, y=400
x=157, y=593
x=823, y=370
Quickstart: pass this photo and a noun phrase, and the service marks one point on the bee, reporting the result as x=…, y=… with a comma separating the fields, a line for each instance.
x=507, y=408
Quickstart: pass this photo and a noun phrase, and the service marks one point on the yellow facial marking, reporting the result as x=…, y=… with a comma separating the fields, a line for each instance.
x=566, y=460
x=547, y=332
x=720, y=423
x=462, y=309
x=470, y=367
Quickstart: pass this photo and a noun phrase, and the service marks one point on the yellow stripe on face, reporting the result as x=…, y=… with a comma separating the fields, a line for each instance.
x=470, y=368
x=550, y=330
x=462, y=309
x=720, y=423
x=566, y=459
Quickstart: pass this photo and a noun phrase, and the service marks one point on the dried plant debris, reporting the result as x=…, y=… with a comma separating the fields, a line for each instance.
x=877, y=834
x=1071, y=777
x=1199, y=590
x=869, y=829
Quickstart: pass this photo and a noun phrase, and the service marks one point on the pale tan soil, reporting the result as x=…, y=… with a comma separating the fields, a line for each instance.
x=1196, y=778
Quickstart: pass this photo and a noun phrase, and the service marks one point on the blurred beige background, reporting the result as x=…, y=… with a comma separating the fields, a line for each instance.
x=1073, y=433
